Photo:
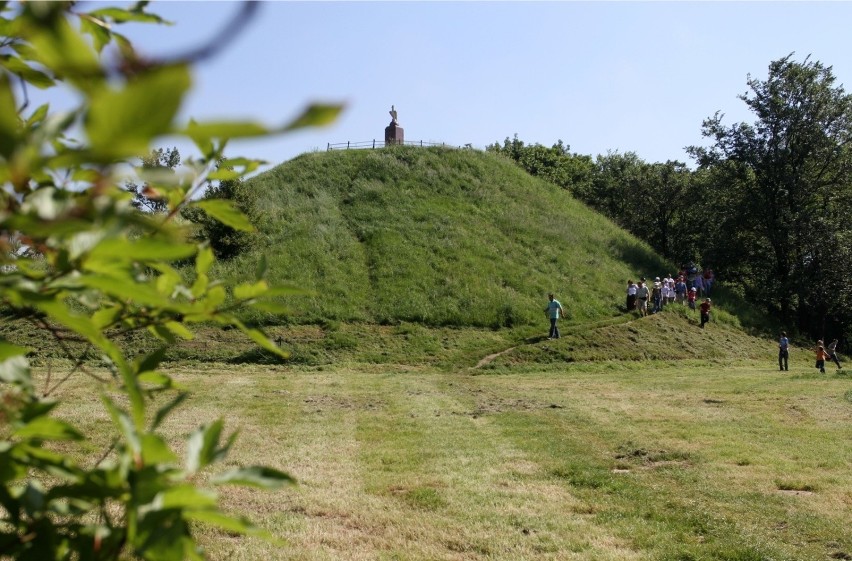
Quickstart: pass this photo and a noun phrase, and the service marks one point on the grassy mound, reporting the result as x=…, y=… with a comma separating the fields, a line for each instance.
x=435, y=236
x=415, y=255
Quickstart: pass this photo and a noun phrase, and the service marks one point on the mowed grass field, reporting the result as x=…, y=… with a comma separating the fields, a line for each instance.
x=613, y=461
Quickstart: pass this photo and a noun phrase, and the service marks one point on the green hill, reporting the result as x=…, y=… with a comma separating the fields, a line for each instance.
x=436, y=236
x=401, y=248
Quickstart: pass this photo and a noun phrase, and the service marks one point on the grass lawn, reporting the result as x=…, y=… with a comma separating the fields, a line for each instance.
x=613, y=460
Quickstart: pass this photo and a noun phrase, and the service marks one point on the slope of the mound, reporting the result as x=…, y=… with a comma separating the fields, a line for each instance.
x=435, y=236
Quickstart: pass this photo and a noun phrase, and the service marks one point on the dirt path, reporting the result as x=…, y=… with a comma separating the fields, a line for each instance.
x=491, y=357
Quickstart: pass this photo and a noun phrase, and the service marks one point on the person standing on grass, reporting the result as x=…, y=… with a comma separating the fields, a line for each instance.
x=821, y=355
x=554, y=311
x=631, y=296
x=642, y=298
x=708, y=280
x=657, y=295
x=690, y=298
x=783, y=352
x=699, y=285
x=680, y=290
x=705, y=312
x=832, y=353
x=669, y=289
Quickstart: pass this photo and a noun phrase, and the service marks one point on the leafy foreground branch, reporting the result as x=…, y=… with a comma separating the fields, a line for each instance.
x=78, y=258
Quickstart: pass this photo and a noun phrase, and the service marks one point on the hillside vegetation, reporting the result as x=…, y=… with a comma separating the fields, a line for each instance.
x=415, y=255
x=436, y=236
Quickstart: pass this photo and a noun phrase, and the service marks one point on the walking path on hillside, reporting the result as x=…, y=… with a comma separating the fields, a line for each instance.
x=491, y=357
x=590, y=325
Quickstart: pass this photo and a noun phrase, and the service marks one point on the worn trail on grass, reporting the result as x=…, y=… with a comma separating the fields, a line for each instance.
x=568, y=329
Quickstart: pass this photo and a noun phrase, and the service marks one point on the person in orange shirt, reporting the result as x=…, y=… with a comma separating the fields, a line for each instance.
x=821, y=355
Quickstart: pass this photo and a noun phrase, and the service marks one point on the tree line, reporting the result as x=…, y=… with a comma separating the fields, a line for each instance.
x=766, y=204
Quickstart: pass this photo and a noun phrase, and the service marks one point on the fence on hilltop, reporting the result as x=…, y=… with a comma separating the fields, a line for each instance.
x=373, y=144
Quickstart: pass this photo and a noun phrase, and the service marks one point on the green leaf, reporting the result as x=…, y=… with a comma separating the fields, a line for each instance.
x=162, y=333
x=202, y=142
x=80, y=324
x=201, y=448
x=125, y=289
x=166, y=409
x=8, y=350
x=228, y=523
x=106, y=316
x=35, y=77
x=123, y=122
x=247, y=165
x=97, y=29
x=204, y=260
x=247, y=291
x=225, y=212
x=254, y=476
x=215, y=296
x=66, y=53
x=155, y=450
x=315, y=115
x=45, y=428
x=185, y=497
x=38, y=115
x=125, y=426
x=143, y=249
x=223, y=174
x=151, y=361
x=9, y=124
x=122, y=16
x=180, y=330
x=199, y=287
x=155, y=378
x=167, y=282
x=262, y=340
x=34, y=409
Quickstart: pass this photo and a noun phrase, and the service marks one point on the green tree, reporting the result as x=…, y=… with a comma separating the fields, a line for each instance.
x=613, y=188
x=786, y=183
x=158, y=161
x=226, y=241
x=98, y=268
x=664, y=216
x=555, y=164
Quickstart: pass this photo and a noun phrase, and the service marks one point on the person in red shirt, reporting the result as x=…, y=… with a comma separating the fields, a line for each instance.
x=705, y=312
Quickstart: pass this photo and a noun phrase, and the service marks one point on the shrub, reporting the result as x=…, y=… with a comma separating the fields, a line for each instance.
x=95, y=268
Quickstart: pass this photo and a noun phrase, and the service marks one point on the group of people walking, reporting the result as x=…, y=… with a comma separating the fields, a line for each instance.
x=638, y=296
x=650, y=298
x=823, y=353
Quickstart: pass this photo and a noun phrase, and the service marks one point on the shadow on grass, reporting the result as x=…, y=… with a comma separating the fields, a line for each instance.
x=535, y=339
x=258, y=356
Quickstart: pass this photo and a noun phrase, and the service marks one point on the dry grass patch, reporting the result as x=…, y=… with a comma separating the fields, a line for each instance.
x=577, y=462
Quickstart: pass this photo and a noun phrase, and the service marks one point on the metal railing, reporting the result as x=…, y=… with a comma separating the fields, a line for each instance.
x=373, y=144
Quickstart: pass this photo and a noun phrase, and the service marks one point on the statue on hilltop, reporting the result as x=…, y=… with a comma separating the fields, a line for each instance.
x=393, y=132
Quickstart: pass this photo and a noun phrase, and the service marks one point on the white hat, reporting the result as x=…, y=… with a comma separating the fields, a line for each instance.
x=656, y=278
x=693, y=289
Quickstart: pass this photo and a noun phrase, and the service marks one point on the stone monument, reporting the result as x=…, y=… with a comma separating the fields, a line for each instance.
x=393, y=132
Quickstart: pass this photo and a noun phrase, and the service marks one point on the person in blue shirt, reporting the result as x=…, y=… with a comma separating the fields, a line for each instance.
x=554, y=311
x=783, y=354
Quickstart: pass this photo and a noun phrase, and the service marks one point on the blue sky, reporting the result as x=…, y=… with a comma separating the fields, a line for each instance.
x=625, y=76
